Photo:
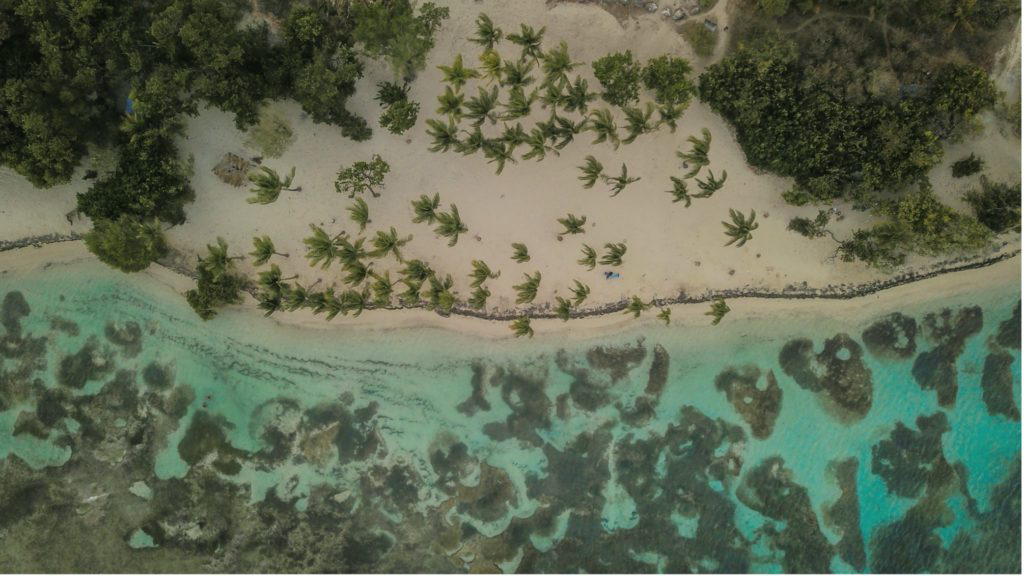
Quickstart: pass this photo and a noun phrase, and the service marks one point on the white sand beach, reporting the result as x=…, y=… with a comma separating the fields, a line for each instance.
x=672, y=250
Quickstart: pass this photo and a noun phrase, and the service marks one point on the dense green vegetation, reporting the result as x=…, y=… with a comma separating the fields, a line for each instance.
x=997, y=205
x=854, y=100
x=68, y=68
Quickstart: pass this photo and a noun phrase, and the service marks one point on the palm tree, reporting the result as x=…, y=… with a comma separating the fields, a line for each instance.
x=269, y=302
x=349, y=252
x=529, y=40
x=482, y=106
x=527, y=290
x=564, y=308
x=573, y=224
x=487, y=34
x=521, y=327
x=962, y=14
x=263, y=250
x=638, y=121
x=519, y=253
x=297, y=296
x=357, y=272
x=741, y=229
x=317, y=302
x=445, y=136
x=320, y=247
x=589, y=259
x=493, y=70
x=451, y=103
x=519, y=103
x=603, y=124
x=359, y=212
x=620, y=182
x=679, y=192
x=332, y=305
x=383, y=288
x=217, y=261
x=389, y=242
x=636, y=306
x=557, y=64
x=354, y=301
x=272, y=281
x=267, y=185
x=698, y=155
x=554, y=94
x=481, y=272
x=592, y=171
x=457, y=75
x=580, y=293
x=425, y=209
x=538, y=143
x=665, y=315
x=417, y=270
x=411, y=296
x=478, y=299
x=440, y=296
x=450, y=225
x=718, y=310
x=498, y=152
x=474, y=141
x=513, y=136
x=670, y=114
x=578, y=97
x=564, y=130
x=517, y=73
x=711, y=185
x=614, y=255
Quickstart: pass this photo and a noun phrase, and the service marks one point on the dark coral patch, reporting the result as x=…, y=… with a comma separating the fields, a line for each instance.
x=531, y=408
x=13, y=309
x=838, y=371
x=352, y=433
x=89, y=363
x=206, y=435
x=63, y=325
x=769, y=489
x=477, y=400
x=491, y=499
x=158, y=375
x=451, y=462
x=909, y=461
x=644, y=406
x=892, y=337
x=993, y=546
x=997, y=386
x=843, y=515
x=759, y=407
x=1008, y=334
x=936, y=369
x=617, y=362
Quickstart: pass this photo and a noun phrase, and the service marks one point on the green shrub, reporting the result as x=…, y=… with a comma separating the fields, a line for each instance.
x=701, y=39
x=997, y=205
x=619, y=74
x=272, y=135
x=126, y=244
x=967, y=166
x=669, y=78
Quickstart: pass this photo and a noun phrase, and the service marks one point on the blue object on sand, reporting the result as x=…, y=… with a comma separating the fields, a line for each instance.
x=611, y=275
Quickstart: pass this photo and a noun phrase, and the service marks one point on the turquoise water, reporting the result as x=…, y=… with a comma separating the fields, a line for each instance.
x=267, y=448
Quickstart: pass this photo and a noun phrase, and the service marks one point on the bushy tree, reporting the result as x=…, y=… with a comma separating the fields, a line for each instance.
x=967, y=166
x=619, y=74
x=669, y=78
x=362, y=176
x=127, y=244
x=393, y=30
x=997, y=205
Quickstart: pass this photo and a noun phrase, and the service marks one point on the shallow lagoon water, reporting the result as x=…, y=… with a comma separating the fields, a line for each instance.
x=272, y=448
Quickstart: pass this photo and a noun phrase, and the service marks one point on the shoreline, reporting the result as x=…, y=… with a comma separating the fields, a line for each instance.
x=753, y=302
